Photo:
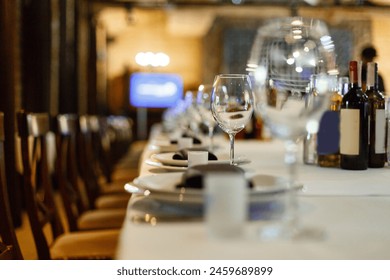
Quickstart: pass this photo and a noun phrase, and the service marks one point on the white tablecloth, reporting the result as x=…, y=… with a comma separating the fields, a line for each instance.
x=351, y=210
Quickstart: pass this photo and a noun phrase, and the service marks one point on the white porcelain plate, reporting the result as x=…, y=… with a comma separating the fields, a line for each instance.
x=163, y=148
x=167, y=159
x=158, y=164
x=163, y=187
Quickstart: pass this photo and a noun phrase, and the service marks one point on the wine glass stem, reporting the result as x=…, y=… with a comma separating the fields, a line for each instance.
x=231, y=137
x=290, y=160
x=211, y=134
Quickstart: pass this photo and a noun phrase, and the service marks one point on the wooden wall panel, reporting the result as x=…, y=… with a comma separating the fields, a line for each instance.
x=9, y=93
x=36, y=44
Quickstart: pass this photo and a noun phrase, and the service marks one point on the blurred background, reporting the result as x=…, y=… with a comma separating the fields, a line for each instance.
x=78, y=56
x=212, y=37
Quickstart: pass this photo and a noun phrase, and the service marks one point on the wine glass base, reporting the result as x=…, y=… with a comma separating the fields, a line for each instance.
x=275, y=232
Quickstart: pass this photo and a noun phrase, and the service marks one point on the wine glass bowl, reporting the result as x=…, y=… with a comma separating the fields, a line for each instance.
x=285, y=54
x=232, y=119
x=232, y=104
x=191, y=118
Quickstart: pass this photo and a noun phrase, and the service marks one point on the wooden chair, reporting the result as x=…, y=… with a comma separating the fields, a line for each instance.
x=113, y=136
x=71, y=186
x=101, y=141
x=9, y=246
x=40, y=203
x=100, y=194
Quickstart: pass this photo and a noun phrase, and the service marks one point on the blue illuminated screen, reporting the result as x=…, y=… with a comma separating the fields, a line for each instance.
x=155, y=90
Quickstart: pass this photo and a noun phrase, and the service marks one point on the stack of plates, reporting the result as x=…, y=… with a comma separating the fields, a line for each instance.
x=267, y=197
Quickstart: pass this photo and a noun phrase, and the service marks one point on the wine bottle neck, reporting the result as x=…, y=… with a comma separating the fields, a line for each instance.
x=372, y=75
x=355, y=74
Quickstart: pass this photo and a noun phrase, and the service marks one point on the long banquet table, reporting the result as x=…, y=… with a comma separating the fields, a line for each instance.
x=350, y=208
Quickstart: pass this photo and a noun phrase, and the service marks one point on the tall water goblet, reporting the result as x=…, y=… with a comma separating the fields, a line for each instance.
x=285, y=53
x=204, y=107
x=232, y=104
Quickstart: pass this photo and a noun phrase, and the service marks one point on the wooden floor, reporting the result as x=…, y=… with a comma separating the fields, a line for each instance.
x=24, y=234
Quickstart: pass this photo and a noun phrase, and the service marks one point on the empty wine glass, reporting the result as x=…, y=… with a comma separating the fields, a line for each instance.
x=204, y=107
x=285, y=53
x=190, y=119
x=232, y=104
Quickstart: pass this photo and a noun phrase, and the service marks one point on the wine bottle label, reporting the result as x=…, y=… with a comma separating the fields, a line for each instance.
x=349, y=131
x=328, y=134
x=380, y=131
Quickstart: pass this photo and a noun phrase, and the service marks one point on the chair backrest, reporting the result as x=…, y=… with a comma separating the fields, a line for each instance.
x=115, y=136
x=96, y=154
x=87, y=156
x=97, y=129
x=9, y=246
x=33, y=129
x=102, y=145
x=70, y=184
x=119, y=131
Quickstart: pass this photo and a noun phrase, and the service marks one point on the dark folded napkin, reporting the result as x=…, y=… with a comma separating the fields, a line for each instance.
x=193, y=176
x=183, y=154
x=195, y=140
x=236, y=116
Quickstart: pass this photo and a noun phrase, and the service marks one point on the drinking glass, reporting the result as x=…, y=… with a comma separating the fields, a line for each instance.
x=286, y=52
x=204, y=107
x=190, y=119
x=232, y=104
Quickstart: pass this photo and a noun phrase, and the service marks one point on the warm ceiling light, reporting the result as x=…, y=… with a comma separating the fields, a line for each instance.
x=159, y=59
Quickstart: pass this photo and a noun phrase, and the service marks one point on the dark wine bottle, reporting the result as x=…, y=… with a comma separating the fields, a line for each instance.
x=377, y=119
x=354, y=123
